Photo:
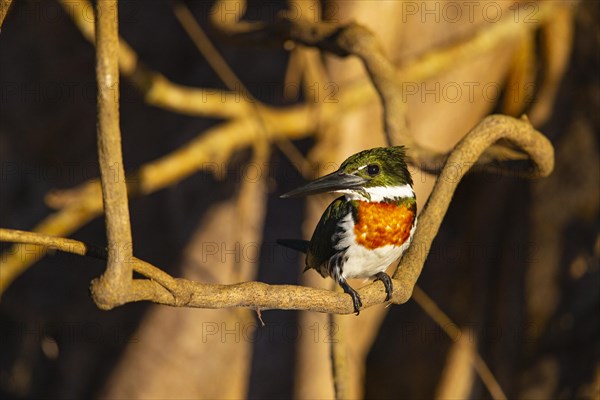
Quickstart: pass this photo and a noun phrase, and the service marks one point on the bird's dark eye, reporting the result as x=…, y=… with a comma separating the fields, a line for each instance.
x=372, y=169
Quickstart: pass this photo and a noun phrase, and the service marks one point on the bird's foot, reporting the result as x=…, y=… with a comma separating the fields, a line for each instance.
x=387, y=282
x=354, y=294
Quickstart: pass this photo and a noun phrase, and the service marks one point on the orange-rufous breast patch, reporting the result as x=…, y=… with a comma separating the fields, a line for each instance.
x=380, y=224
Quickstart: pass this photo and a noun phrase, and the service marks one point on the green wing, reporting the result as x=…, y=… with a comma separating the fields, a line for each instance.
x=321, y=246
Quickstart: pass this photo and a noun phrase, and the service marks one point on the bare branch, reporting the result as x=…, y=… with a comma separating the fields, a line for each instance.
x=263, y=296
x=206, y=47
x=217, y=144
x=461, y=159
x=212, y=147
x=109, y=290
x=182, y=99
x=229, y=77
x=158, y=90
x=163, y=289
x=444, y=322
x=354, y=39
x=340, y=39
x=76, y=247
x=293, y=122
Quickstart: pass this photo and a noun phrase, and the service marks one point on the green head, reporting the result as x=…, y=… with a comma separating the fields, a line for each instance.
x=368, y=173
x=381, y=166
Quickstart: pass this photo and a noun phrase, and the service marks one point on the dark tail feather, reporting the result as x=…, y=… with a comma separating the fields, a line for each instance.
x=296, y=244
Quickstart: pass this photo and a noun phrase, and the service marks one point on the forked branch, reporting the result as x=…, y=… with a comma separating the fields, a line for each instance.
x=257, y=295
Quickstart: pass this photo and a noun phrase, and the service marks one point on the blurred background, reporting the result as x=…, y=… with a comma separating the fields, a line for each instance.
x=514, y=266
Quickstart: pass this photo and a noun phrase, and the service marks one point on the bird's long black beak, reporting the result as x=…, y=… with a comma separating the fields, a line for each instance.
x=328, y=183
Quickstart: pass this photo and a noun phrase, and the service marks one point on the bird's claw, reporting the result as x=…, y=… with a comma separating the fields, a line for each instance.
x=356, y=301
x=354, y=294
x=387, y=282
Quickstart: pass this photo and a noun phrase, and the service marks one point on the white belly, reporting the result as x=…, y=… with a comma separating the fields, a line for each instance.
x=362, y=262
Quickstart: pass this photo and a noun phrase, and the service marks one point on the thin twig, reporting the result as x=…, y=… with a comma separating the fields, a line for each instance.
x=164, y=289
x=210, y=148
x=229, y=77
x=109, y=290
x=158, y=90
x=260, y=295
x=218, y=143
x=205, y=46
x=340, y=39
x=76, y=247
x=354, y=39
x=458, y=374
x=452, y=330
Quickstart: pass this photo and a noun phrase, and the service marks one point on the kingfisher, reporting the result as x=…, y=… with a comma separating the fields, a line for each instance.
x=367, y=228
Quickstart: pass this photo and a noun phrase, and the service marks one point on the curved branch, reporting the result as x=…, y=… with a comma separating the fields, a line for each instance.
x=340, y=39
x=76, y=247
x=183, y=292
x=354, y=39
x=461, y=159
x=82, y=204
x=209, y=102
x=161, y=288
x=211, y=148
